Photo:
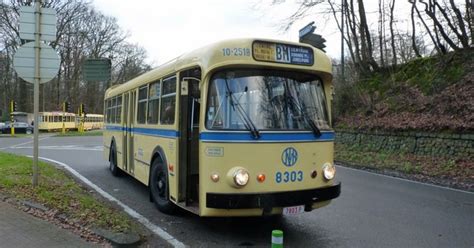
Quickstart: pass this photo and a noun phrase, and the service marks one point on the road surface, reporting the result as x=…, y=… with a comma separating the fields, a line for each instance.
x=372, y=211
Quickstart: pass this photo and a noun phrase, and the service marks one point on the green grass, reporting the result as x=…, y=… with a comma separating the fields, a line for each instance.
x=59, y=191
x=76, y=133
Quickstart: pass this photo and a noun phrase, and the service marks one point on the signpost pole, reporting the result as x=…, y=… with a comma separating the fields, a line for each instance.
x=36, y=90
x=64, y=116
x=12, y=118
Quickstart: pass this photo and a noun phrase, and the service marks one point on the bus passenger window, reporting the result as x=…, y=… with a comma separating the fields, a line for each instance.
x=153, y=102
x=142, y=102
x=168, y=101
x=118, y=110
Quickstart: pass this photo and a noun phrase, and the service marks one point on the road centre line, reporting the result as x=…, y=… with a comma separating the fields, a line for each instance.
x=406, y=180
x=140, y=218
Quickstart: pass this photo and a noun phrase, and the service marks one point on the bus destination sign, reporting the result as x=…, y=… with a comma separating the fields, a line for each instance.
x=282, y=53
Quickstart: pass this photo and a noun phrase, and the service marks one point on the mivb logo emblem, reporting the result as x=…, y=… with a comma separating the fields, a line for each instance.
x=289, y=156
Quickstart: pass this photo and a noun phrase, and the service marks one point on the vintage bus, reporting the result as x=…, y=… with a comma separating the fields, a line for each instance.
x=53, y=121
x=238, y=128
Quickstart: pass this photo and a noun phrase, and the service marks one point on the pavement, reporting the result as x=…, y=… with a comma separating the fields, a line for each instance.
x=19, y=229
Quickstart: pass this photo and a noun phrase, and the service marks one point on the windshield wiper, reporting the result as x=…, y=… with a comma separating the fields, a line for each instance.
x=243, y=115
x=302, y=110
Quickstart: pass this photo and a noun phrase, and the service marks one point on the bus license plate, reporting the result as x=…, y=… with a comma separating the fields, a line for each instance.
x=293, y=210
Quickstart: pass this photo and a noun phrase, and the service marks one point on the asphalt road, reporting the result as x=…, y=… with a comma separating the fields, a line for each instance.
x=372, y=211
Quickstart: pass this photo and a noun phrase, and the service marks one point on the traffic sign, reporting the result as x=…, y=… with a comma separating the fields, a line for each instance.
x=27, y=23
x=97, y=69
x=24, y=62
x=315, y=40
x=307, y=29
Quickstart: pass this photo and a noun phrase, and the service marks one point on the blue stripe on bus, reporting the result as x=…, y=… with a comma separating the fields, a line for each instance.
x=231, y=137
x=146, y=131
x=114, y=128
x=265, y=137
x=157, y=132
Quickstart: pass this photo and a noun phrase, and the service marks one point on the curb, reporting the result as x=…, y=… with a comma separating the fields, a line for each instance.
x=119, y=239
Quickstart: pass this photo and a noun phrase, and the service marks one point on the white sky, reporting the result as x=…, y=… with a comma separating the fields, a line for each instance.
x=168, y=28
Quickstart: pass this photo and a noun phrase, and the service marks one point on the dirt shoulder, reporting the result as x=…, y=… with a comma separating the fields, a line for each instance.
x=455, y=173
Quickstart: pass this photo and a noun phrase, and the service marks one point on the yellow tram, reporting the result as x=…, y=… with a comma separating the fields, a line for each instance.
x=92, y=121
x=53, y=121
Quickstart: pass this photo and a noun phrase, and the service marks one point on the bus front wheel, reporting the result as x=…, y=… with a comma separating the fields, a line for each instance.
x=159, y=188
x=114, y=169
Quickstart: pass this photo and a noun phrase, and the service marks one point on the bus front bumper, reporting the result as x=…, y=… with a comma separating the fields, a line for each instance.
x=271, y=200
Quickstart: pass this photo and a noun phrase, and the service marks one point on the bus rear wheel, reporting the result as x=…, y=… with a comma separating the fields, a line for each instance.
x=114, y=169
x=159, y=188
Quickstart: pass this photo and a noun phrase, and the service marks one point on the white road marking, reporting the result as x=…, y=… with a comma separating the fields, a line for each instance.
x=15, y=146
x=140, y=218
x=406, y=180
x=72, y=147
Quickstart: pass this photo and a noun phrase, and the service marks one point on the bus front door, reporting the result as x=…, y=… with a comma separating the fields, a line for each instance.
x=189, y=142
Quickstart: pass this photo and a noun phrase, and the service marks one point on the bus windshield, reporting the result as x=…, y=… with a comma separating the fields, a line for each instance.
x=270, y=100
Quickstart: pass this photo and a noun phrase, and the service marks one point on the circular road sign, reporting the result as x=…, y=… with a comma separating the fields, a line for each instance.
x=24, y=62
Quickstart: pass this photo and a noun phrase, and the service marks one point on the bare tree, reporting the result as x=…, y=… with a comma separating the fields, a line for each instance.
x=82, y=33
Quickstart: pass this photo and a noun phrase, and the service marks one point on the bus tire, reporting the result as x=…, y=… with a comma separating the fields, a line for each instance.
x=159, y=188
x=114, y=169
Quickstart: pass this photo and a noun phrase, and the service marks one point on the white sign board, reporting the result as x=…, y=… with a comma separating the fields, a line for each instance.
x=24, y=62
x=27, y=23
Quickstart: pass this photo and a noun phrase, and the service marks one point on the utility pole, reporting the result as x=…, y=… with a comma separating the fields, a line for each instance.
x=36, y=90
x=342, y=42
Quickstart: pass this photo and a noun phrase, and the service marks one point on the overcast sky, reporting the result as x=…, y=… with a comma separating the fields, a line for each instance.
x=168, y=28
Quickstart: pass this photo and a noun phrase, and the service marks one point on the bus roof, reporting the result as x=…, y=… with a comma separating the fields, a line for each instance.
x=211, y=57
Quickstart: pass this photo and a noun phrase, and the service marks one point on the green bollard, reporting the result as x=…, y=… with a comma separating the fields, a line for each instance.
x=277, y=239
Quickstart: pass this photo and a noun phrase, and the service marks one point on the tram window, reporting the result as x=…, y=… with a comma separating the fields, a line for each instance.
x=56, y=118
x=168, y=101
x=153, y=102
x=142, y=102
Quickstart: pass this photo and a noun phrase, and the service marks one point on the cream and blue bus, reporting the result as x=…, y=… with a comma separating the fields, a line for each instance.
x=238, y=128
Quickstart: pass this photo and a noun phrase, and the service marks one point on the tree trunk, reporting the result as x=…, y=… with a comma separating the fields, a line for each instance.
x=413, y=30
x=394, y=53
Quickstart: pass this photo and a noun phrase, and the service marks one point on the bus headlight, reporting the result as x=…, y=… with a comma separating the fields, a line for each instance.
x=241, y=177
x=329, y=171
x=238, y=177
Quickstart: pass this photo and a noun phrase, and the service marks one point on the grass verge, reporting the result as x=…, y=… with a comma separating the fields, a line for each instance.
x=57, y=190
x=76, y=133
x=455, y=172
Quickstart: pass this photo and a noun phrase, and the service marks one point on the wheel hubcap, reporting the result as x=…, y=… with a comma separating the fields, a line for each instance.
x=161, y=185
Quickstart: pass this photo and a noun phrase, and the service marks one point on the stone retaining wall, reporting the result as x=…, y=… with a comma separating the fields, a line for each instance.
x=420, y=143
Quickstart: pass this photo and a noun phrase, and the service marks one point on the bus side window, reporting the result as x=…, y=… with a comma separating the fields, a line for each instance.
x=142, y=104
x=118, y=110
x=168, y=101
x=153, y=102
